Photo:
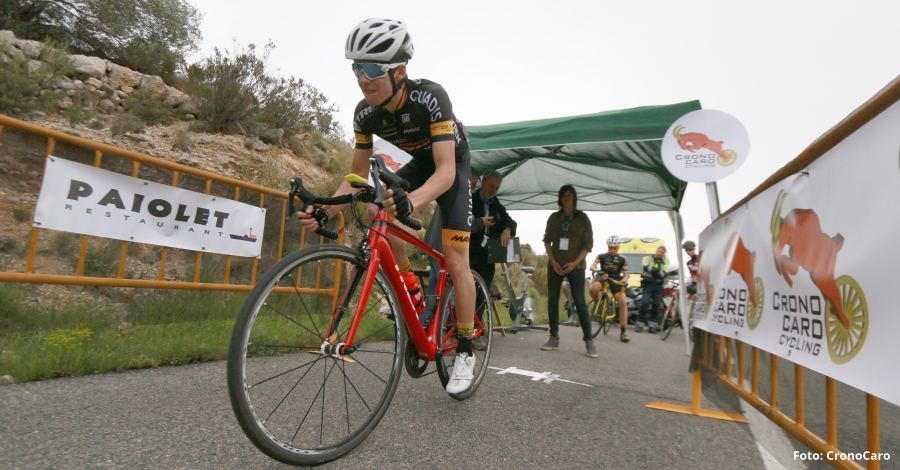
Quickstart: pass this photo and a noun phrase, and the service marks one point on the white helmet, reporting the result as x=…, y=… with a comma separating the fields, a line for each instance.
x=379, y=40
x=613, y=241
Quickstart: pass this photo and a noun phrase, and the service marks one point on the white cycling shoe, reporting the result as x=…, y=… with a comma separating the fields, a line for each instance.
x=462, y=376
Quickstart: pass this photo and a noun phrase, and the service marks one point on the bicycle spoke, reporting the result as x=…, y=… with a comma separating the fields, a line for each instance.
x=292, y=320
x=289, y=391
x=312, y=404
x=310, y=363
x=297, y=291
x=261, y=345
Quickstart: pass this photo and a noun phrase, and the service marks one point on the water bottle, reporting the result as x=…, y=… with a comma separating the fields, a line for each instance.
x=415, y=292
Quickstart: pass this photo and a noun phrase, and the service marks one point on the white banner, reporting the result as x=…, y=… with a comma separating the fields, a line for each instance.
x=808, y=269
x=84, y=199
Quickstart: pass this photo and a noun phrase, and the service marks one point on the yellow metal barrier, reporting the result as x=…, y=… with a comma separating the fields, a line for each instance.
x=720, y=366
x=28, y=275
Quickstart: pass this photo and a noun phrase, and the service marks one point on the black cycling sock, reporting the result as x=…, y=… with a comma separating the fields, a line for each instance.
x=465, y=346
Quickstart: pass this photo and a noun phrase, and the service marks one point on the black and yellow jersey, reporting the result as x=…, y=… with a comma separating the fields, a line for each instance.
x=612, y=265
x=424, y=116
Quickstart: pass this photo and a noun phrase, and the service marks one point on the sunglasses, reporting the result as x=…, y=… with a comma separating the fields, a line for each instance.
x=372, y=71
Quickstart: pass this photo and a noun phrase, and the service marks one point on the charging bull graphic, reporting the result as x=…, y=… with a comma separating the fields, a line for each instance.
x=694, y=141
x=741, y=260
x=389, y=162
x=847, y=318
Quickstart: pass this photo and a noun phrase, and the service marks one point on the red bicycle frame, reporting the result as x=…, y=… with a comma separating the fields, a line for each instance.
x=381, y=255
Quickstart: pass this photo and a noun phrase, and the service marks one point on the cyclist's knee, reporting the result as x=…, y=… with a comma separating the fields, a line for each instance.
x=457, y=258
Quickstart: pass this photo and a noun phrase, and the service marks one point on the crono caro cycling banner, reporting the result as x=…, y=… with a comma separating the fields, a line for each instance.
x=808, y=269
x=83, y=199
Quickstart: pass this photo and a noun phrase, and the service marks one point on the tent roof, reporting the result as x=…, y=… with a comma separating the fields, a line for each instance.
x=611, y=158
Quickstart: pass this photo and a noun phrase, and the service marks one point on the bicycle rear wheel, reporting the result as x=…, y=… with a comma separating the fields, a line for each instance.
x=447, y=341
x=295, y=404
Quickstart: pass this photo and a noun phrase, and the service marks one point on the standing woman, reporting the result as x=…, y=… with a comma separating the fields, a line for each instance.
x=568, y=239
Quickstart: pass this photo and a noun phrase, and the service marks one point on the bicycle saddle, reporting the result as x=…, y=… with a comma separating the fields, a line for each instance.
x=528, y=269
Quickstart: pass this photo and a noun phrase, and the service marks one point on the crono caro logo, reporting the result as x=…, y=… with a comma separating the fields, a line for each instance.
x=846, y=310
x=695, y=142
x=732, y=306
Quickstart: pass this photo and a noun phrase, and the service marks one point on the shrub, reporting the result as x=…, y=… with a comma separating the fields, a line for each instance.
x=183, y=140
x=150, y=36
x=150, y=110
x=21, y=82
x=79, y=112
x=126, y=123
x=22, y=215
x=235, y=92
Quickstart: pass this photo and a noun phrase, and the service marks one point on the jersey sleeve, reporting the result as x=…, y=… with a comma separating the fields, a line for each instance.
x=361, y=131
x=441, y=114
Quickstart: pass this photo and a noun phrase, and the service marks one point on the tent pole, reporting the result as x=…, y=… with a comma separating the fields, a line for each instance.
x=675, y=217
x=712, y=193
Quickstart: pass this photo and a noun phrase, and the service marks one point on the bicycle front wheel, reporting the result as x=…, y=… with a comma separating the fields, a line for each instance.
x=296, y=404
x=608, y=314
x=447, y=331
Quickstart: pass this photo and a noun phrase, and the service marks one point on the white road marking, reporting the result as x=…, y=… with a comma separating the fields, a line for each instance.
x=546, y=377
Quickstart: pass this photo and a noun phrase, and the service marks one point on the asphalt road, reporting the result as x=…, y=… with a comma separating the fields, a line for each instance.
x=180, y=417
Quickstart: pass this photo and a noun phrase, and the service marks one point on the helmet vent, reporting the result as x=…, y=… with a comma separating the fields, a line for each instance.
x=382, y=47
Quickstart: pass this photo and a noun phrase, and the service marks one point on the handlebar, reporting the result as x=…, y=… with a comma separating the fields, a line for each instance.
x=373, y=194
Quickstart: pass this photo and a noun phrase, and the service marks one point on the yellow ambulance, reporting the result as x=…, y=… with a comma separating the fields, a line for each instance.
x=634, y=250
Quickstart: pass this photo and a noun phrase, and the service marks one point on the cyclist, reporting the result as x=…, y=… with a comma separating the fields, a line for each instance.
x=653, y=278
x=417, y=117
x=693, y=265
x=613, y=268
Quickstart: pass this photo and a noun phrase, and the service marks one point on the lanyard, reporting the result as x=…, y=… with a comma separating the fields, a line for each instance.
x=567, y=222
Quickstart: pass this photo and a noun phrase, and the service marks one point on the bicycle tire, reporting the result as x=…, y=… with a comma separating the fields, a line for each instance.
x=447, y=331
x=596, y=318
x=668, y=321
x=279, y=392
x=607, y=321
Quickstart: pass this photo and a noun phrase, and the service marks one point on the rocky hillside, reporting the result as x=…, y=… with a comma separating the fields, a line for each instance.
x=106, y=91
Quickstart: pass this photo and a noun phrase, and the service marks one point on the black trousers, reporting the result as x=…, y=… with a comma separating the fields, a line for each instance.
x=486, y=271
x=653, y=294
x=576, y=285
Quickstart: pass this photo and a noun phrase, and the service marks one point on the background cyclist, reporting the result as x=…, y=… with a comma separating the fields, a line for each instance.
x=612, y=266
x=417, y=117
x=693, y=265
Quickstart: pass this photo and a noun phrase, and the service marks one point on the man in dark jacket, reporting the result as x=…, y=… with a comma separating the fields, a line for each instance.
x=491, y=221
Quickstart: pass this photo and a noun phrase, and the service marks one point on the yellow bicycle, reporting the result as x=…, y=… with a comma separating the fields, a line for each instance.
x=604, y=311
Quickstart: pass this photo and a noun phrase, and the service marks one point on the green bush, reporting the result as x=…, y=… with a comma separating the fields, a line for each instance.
x=80, y=112
x=234, y=93
x=150, y=110
x=21, y=85
x=150, y=36
x=126, y=122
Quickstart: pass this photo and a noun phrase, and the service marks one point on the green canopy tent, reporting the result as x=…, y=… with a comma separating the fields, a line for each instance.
x=611, y=158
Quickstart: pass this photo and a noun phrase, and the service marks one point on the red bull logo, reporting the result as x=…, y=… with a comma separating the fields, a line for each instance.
x=695, y=142
x=846, y=311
